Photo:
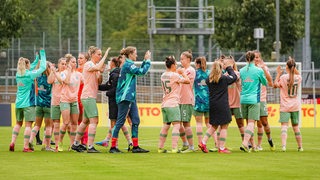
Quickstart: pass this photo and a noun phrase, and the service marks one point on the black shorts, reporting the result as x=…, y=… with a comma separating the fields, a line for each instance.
x=113, y=110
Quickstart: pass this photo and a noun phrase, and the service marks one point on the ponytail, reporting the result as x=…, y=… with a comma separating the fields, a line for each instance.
x=202, y=62
x=249, y=57
x=128, y=50
x=291, y=65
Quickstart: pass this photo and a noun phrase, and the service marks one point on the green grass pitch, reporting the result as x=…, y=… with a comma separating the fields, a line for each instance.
x=238, y=165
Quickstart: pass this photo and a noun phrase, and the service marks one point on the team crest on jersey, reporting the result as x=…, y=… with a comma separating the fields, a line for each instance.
x=248, y=80
x=202, y=83
x=20, y=84
x=41, y=88
x=133, y=66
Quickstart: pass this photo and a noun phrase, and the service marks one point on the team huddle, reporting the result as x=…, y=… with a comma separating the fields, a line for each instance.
x=218, y=94
x=47, y=92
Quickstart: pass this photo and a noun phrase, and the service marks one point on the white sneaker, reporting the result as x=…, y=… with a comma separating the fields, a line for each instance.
x=259, y=148
x=284, y=149
x=50, y=149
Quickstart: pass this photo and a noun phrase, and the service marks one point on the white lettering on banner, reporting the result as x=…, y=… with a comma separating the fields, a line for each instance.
x=307, y=101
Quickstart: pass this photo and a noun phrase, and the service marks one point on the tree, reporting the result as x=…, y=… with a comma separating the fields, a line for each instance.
x=12, y=19
x=315, y=31
x=235, y=25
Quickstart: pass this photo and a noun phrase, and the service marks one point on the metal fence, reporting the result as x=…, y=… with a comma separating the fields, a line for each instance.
x=148, y=86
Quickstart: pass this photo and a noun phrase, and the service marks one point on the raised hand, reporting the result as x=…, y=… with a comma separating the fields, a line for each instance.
x=279, y=70
x=147, y=55
x=52, y=66
x=106, y=53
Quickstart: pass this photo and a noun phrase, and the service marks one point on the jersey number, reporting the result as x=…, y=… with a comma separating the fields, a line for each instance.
x=293, y=91
x=165, y=86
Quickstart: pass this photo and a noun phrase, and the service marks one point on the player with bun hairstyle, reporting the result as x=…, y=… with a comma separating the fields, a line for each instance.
x=126, y=97
x=171, y=80
x=92, y=78
x=290, y=103
x=187, y=103
x=220, y=115
x=251, y=79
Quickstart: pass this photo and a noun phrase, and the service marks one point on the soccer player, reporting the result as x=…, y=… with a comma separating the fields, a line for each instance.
x=69, y=98
x=126, y=97
x=263, y=123
x=55, y=79
x=110, y=87
x=170, y=81
x=187, y=103
x=234, y=99
x=25, y=102
x=92, y=78
x=251, y=79
x=220, y=115
x=201, y=94
x=43, y=102
x=82, y=59
x=289, y=101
